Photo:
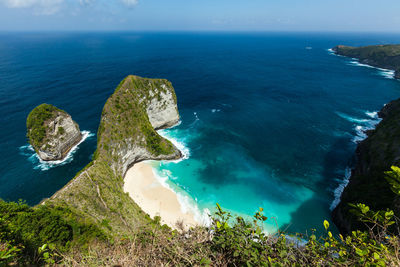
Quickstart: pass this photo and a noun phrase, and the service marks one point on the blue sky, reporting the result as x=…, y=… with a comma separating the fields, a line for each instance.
x=205, y=15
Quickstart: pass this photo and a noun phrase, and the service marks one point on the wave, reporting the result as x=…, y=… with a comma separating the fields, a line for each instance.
x=331, y=52
x=339, y=190
x=389, y=74
x=369, y=125
x=180, y=144
x=360, y=129
x=187, y=203
x=350, y=118
x=362, y=125
x=215, y=110
x=39, y=164
x=372, y=114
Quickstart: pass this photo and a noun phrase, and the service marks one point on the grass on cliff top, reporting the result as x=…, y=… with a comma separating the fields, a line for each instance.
x=125, y=120
x=97, y=191
x=387, y=50
x=35, y=123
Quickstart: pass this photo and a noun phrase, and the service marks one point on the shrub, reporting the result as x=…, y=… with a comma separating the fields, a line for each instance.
x=36, y=130
x=28, y=229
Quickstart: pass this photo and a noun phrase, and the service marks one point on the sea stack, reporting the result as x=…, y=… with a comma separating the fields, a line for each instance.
x=52, y=132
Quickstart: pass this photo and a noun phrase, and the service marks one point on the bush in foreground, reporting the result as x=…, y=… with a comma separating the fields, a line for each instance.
x=229, y=241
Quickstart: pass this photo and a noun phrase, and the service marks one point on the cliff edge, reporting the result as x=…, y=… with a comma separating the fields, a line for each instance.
x=374, y=155
x=381, y=56
x=126, y=135
x=52, y=132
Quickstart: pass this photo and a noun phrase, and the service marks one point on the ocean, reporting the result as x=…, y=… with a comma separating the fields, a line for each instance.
x=268, y=120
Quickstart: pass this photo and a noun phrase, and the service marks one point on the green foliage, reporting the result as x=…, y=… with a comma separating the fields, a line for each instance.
x=35, y=123
x=245, y=244
x=384, y=56
x=393, y=177
x=61, y=130
x=25, y=230
x=154, y=142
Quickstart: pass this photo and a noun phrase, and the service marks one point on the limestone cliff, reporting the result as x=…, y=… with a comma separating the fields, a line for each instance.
x=126, y=135
x=52, y=132
x=375, y=155
x=381, y=56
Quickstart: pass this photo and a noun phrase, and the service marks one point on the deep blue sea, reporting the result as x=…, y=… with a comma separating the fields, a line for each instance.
x=268, y=119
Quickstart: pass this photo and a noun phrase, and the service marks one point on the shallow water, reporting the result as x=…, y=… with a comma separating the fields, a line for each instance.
x=266, y=121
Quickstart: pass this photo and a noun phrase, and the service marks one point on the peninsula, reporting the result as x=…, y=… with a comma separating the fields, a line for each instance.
x=126, y=136
x=380, y=56
x=52, y=132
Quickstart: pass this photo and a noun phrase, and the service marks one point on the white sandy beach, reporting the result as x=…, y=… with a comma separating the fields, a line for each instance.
x=155, y=199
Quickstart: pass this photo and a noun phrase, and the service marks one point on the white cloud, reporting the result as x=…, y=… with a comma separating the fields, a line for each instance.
x=40, y=7
x=50, y=7
x=130, y=3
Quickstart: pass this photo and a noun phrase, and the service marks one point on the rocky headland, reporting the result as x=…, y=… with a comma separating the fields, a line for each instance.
x=52, y=132
x=367, y=185
x=380, y=56
x=126, y=136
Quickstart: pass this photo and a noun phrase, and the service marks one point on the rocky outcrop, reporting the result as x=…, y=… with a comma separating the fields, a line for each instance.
x=163, y=110
x=52, y=132
x=126, y=136
x=367, y=185
x=380, y=56
x=137, y=108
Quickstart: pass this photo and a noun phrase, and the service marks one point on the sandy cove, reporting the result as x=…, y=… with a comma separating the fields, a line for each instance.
x=155, y=199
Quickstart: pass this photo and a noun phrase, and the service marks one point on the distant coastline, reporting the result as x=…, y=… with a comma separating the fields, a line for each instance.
x=384, y=57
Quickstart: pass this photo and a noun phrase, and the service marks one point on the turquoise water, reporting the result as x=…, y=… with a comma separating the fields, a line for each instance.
x=267, y=119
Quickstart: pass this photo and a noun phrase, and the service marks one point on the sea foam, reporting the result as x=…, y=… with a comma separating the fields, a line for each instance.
x=361, y=128
x=39, y=164
x=180, y=144
x=339, y=190
x=389, y=74
x=366, y=126
x=187, y=203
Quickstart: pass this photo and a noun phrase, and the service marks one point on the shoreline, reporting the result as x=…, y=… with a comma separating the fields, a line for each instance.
x=155, y=199
x=387, y=73
x=46, y=165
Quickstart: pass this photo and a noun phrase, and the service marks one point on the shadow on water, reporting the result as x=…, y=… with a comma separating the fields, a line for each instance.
x=306, y=217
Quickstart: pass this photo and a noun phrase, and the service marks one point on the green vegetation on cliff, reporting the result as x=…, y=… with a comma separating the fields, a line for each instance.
x=26, y=229
x=125, y=120
x=125, y=136
x=382, y=56
x=375, y=155
x=92, y=222
x=35, y=123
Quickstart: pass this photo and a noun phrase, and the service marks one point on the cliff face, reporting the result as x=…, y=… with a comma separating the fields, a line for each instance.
x=52, y=132
x=375, y=155
x=162, y=110
x=381, y=56
x=126, y=135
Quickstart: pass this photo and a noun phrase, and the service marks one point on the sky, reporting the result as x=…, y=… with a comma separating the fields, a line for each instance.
x=200, y=15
